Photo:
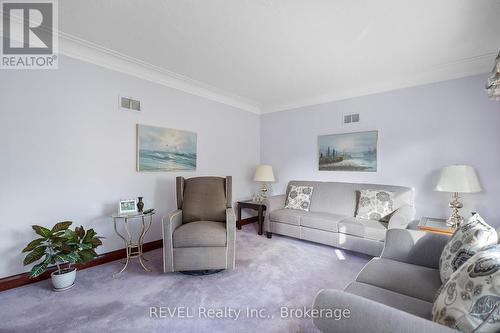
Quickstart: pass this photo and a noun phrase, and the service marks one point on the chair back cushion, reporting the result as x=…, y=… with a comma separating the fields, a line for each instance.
x=204, y=199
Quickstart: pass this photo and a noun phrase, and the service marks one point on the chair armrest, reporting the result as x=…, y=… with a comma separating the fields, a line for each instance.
x=414, y=247
x=169, y=224
x=402, y=217
x=230, y=237
x=366, y=316
x=272, y=203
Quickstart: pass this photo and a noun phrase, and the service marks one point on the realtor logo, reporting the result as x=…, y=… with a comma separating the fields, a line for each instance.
x=29, y=40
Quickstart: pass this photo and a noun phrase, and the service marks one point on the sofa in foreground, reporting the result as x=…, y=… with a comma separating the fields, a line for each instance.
x=393, y=293
x=331, y=217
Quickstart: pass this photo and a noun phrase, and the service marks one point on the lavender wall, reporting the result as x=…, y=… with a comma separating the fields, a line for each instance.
x=67, y=152
x=420, y=129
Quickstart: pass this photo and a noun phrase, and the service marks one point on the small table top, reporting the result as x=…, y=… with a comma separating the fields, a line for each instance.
x=250, y=203
x=132, y=215
x=435, y=225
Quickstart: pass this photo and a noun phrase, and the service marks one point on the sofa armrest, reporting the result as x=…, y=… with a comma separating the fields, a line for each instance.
x=169, y=223
x=366, y=316
x=230, y=237
x=414, y=247
x=272, y=203
x=402, y=217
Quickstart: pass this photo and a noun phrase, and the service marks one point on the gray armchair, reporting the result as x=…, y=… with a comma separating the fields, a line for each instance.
x=200, y=234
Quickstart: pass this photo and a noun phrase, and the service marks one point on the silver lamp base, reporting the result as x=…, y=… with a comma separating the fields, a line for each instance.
x=455, y=219
x=264, y=191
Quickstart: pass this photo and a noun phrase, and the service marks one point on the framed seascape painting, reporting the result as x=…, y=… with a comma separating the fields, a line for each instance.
x=348, y=151
x=165, y=149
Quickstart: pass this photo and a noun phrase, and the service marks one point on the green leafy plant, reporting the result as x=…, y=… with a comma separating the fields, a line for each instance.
x=60, y=246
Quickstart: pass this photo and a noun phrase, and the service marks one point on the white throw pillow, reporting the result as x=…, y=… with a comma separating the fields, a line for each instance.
x=470, y=300
x=468, y=239
x=375, y=204
x=299, y=197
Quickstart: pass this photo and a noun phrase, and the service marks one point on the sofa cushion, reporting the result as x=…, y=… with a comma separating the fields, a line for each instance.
x=375, y=204
x=322, y=221
x=407, y=279
x=285, y=215
x=200, y=234
x=470, y=300
x=370, y=229
x=402, y=302
x=467, y=240
x=299, y=197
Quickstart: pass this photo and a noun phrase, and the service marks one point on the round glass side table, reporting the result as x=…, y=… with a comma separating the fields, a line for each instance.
x=133, y=248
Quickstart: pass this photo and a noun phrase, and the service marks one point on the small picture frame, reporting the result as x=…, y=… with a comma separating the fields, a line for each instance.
x=128, y=206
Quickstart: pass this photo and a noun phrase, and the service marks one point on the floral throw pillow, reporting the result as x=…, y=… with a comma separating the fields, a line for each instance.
x=467, y=240
x=299, y=197
x=375, y=204
x=470, y=300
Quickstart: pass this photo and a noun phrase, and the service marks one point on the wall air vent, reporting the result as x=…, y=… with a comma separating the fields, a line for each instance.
x=129, y=103
x=351, y=118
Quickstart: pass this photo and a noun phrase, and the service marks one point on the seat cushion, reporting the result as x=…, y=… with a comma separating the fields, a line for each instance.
x=200, y=234
x=370, y=229
x=402, y=302
x=289, y=216
x=407, y=279
x=322, y=221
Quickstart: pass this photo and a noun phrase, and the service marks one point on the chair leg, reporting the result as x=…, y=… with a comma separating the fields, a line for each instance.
x=269, y=234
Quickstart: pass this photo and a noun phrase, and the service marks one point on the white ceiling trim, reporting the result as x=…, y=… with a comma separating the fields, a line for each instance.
x=448, y=71
x=84, y=50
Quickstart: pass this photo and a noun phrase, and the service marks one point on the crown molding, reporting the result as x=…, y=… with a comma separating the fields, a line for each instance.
x=443, y=72
x=84, y=50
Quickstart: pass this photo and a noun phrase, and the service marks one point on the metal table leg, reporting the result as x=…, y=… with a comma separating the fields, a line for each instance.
x=141, y=242
x=127, y=247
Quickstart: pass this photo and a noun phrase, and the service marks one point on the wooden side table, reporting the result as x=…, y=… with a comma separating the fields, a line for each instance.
x=437, y=226
x=259, y=207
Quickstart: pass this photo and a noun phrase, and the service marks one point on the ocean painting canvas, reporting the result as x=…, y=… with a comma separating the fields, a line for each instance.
x=348, y=151
x=165, y=149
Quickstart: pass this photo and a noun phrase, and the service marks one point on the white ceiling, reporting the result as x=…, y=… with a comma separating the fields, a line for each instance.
x=277, y=54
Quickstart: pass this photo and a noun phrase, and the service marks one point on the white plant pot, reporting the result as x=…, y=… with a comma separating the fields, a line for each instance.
x=63, y=281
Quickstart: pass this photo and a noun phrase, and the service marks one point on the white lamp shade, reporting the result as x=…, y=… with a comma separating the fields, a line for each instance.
x=458, y=178
x=264, y=173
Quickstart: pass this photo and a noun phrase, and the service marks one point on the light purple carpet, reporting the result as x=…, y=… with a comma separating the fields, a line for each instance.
x=269, y=274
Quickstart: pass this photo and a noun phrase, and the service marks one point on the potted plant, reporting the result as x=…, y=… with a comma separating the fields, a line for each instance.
x=62, y=247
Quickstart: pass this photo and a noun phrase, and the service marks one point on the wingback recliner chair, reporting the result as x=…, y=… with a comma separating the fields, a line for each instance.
x=200, y=234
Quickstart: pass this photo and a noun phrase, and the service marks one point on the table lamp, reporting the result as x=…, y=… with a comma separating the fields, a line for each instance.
x=457, y=179
x=263, y=174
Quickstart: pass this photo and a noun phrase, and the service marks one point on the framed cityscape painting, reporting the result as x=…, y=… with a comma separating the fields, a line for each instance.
x=348, y=151
x=165, y=149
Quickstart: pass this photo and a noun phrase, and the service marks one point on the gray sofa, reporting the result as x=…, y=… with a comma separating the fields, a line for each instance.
x=331, y=220
x=392, y=293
